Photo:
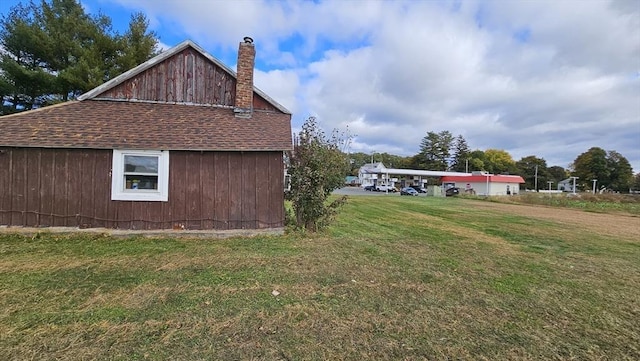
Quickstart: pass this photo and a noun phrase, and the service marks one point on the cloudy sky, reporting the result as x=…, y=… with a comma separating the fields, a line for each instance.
x=545, y=78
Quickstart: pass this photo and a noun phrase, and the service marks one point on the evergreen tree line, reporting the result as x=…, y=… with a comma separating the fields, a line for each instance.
x=52, y=51
x=445, y=152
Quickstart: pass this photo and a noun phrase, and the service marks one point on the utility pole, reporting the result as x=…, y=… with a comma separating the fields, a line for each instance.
x=574, y=184
x=536, y=181
x=466, y=166
x=594, y=185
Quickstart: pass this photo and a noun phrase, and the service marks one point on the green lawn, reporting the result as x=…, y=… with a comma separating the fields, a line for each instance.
x=396, y=278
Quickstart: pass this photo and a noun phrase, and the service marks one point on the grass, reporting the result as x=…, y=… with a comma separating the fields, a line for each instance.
x=404, y=278
x=599, y=203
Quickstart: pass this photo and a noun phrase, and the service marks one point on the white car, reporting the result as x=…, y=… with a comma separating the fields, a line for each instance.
x=384, y=188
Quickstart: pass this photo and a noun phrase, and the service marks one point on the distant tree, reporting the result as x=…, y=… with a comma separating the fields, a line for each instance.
x=636, y=182
x=317, y=166
x=620, y=172
x=435, y=149
x=356, y=161
x=461, y=155
x=404, y=163
x=53, y=51
x=557, y=174
x=391, y=160
x=526, y=167
x=477, y=161
x=611, y=169
x=590, y=165
x=499, y=161
x=416, y=162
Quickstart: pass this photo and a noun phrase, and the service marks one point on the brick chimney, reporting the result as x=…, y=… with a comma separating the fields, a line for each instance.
x=244, y=84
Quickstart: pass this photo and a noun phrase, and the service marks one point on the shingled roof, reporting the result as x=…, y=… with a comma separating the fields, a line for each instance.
x=136, y=125
x=112, y=122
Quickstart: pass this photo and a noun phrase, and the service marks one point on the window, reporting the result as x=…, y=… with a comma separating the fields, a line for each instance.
x=140, y=175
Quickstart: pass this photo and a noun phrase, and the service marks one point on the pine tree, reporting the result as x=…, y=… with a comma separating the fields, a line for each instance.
x=54, y=51
x=461, y=155
x=435, y=150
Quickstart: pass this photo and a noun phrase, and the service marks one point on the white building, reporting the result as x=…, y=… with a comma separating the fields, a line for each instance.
x=481, y=183
x=567, y=185
x=376, y=174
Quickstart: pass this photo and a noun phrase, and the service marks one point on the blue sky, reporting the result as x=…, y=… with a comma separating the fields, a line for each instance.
x=546, y=78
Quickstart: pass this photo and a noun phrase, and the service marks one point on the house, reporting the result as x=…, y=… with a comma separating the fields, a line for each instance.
x=567, y=185
x=370, y=174
x=482, y=183
x=180, y=141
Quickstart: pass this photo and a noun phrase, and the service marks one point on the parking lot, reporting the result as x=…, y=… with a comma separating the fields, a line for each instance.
x=358, y=191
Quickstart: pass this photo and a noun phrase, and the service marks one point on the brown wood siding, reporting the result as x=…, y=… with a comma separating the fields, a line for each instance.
x=42, y=187
x=6, y=168
x=187, y=77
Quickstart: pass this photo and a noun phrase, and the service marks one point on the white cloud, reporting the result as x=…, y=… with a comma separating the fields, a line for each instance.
x=546, y=78
x=280, y=85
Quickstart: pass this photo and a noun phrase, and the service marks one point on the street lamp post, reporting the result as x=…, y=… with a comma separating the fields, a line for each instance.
x=549, y=182
x=574, y=184
x=487, y=190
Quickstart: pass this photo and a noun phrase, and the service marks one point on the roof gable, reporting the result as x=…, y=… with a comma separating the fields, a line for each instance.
x=184, y=74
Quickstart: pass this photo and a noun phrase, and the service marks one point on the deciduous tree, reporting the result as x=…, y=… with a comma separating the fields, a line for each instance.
x=611, y=169
x=590, y=165
x=635, y=186
x=530, y=168
x=317, y=166
x=498, y=161
x=620, y=172
x=477, y=161
x=557, y=174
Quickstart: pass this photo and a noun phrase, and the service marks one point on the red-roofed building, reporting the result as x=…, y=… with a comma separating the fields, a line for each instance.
x=180, y=141
x=485, y=184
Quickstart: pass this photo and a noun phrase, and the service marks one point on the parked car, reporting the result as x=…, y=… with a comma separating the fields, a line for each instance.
x=453, y=191
x=420, y=189
x=369, y=188
x=408, y=191
x=383, y=188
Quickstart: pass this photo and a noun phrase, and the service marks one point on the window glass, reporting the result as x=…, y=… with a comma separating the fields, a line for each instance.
x=140, y=172
x=140, y=182
x=140, y=164
x=140, y=175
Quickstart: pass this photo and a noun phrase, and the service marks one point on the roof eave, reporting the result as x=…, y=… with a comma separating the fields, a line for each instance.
x=134, y=147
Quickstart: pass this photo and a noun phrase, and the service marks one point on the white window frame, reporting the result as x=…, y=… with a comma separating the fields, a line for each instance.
x=118, y=191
